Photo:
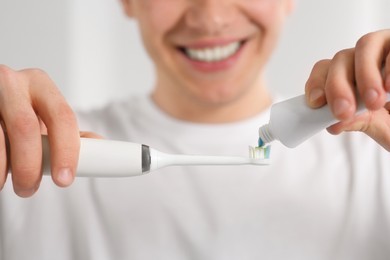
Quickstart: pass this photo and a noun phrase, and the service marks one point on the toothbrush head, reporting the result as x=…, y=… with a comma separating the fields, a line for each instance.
x=257, y=152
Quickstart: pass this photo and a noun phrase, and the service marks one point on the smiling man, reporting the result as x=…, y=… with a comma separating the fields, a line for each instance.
x=201, y=49
x=326, y=199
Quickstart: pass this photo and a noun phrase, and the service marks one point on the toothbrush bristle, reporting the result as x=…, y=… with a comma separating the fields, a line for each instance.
x=259, y=152
x=260, y=142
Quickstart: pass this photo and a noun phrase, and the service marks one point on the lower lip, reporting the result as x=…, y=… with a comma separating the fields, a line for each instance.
x=216, y=66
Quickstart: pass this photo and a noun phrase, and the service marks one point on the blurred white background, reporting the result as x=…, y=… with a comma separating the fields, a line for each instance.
x=94, y=53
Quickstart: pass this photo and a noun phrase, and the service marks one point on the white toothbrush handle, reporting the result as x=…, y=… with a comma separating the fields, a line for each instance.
x=102, y=158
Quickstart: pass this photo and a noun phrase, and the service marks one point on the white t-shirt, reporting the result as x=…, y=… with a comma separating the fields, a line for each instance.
x=326, y=199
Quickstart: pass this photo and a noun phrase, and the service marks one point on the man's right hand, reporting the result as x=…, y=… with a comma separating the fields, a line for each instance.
x=32, y=105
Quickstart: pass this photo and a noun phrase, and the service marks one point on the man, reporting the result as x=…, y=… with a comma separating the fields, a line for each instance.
x=324, y=200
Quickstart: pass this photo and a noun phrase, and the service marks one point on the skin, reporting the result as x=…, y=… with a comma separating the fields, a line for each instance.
x=31, y=104
x=366, y=69
x=216, y=96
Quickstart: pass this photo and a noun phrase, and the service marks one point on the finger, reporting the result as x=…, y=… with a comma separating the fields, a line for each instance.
x=61, y=125
x=369, y=58
x=358, y=123
x=24, y=146
x=386, y=72
x=387, y=107
x=315, y=85
x=3, y=159
x=339, y=87
x=22, y=129
x=93, y=135
x=42, y=126
x=375, y=124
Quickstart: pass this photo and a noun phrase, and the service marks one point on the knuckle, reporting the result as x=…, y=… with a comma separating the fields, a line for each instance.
x=312, y=82
x=365, y=40
x=318, y=74
x=37, y=73
x=340, y=54
x=23, y=123
x=41, y=79
x=12, y=85
x=7, y=76
x=4, y=69
x=34, y=72
x=331, y=84
x=321, y=63
x=64, y=113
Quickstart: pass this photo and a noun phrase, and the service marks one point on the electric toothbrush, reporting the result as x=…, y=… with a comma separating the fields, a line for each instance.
x=107, y=158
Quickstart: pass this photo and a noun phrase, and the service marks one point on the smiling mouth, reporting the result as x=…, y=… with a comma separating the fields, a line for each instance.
x=213, y=54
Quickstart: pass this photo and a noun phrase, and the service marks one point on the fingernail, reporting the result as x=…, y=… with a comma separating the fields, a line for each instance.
x=65, y=177
x=315, y=95
x=340, y=106
x=371, y=95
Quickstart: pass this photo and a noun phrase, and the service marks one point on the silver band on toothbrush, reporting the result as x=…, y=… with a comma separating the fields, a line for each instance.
x=146, y=159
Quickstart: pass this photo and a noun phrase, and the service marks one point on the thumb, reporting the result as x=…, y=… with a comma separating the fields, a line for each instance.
x=86, y=134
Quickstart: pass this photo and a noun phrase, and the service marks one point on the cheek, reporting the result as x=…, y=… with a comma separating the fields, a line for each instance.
x=158, y=16
x=156, y=19
x=267, y=14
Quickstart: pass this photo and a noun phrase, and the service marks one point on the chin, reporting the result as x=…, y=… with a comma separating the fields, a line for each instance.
x=216, y=98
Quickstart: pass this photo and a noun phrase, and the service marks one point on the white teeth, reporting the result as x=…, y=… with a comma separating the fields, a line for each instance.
x=214, y=54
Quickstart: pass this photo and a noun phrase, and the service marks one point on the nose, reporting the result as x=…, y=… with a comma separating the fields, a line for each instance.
x=210, y=17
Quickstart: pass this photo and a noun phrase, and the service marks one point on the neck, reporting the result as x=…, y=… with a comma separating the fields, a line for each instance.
x=185, y=107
